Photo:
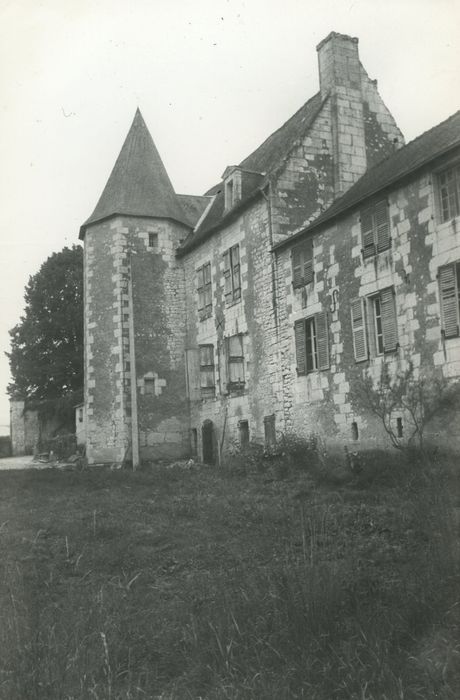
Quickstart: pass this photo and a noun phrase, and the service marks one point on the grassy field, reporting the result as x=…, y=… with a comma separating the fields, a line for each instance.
x=175, y=583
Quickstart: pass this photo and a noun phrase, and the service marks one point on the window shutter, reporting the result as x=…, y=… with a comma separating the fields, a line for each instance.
x=297, y=266
x=223, y=366
x=300, y=346
x=227, y=274
x=358, y=325
x=389, y=325
x=322, y=340
x=192, y=364
x=449, y=303
x=383, y=226
x=367, y=233
x=308, y=263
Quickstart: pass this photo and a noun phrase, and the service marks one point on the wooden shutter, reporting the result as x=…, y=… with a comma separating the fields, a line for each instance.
x=302, y=264
x=223, y=365
x=322, y=340
x=449, y=301
x=300, y=346
x=192, y=364
x=389, y=325
x=367, y=232
x=358, y=325
x=297, y=266
x=227, y=274
x=382, y=225
x=308, y=263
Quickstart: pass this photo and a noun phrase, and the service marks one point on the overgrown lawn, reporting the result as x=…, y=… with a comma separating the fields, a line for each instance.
x=175, y=583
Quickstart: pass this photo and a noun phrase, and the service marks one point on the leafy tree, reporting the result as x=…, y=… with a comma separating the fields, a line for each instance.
x=46, y=357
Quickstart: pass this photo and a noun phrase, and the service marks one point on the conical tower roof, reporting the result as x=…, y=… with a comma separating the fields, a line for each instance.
x=139, y=184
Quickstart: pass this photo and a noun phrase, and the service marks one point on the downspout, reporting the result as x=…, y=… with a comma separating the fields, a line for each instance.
x=132, y=362
x=268, y=199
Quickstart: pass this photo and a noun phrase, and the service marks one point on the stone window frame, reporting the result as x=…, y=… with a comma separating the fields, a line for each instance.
x=152, y=241
x=232, y=274
x=302, y=264
x=311, y=336
x=449, y=299
x=448, y=204
x=375, y=228
x=207, y=370
x=204, y=290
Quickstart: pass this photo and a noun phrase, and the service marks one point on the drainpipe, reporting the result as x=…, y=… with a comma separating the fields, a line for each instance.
x=268, y=199
x=132, y=362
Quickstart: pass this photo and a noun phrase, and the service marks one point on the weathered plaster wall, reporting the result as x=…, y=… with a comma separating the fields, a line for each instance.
x=320, y=401
x=253, y=316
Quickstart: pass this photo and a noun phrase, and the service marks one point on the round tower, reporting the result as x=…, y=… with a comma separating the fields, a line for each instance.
x=135, y=394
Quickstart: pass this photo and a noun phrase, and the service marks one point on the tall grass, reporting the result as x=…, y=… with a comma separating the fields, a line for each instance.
x=174, y=585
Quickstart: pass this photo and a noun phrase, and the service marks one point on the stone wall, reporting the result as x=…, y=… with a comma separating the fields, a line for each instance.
x=253, y=316
x=320, y=401
x=134, y=307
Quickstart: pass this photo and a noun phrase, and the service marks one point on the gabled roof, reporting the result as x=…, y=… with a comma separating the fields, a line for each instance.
x=139, y=184
x=256, y=168
x=402, y=163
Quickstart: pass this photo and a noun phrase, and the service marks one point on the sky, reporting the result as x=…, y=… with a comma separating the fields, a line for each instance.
x=213, y=78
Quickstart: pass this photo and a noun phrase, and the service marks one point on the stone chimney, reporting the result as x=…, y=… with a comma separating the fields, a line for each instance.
x=363, y=130
x=339, y=65
x=340, y=78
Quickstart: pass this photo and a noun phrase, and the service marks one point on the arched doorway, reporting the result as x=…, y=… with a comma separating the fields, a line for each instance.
x=207, y=439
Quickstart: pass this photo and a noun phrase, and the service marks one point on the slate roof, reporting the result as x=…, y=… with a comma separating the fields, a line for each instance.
x=256, y=167
x=425, y=148
x=193, y=206
x=139, y=184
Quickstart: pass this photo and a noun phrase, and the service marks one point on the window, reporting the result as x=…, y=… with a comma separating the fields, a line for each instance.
x=399, y=427
x=312, y=343
x=375, y=229
x=235, y=362
x=302, y=264
x=207, y=380
x=204, y=289
x=354, y=431
x=153, y=240
x=232, y=275
x=383, y=336
x=269, y=431
x=449, y=192
x=149, y=386
x=449, y=288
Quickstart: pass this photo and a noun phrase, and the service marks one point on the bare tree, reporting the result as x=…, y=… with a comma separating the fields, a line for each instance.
x=420, y=398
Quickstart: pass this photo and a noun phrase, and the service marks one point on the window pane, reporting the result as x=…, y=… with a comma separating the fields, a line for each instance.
x=236, y=371
x=207, y=378
x=206, y=354
x=235, y=346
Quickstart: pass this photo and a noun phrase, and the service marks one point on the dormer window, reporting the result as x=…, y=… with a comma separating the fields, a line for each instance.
x=232, y=178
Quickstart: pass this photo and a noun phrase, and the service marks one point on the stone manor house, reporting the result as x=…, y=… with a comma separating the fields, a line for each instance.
x=250, y=311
